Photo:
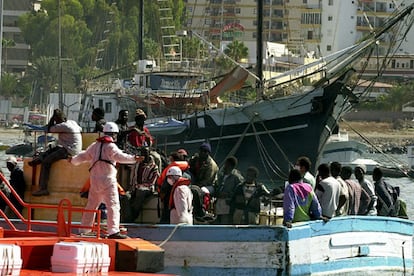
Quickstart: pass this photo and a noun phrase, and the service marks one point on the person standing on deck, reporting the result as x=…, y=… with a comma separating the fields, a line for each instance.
x=359, y=200
x=204, y=171
x=181, y=197
x=360, y=171
x=69, y=144
x=386, y=203
x=122, y=123
x=343, y=205
x=303, y=164
x=98, y=115
x=245, y=204
x=299, y=201
x=6, y=191
x=140, y=136
x=328, y=190
x=228, y=179
x=103, y=156
x=16, y=181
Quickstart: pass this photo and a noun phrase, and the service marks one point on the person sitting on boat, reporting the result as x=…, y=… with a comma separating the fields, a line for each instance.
x=299, y=201
x=359, y=200
x=181, y=197
x=164, y=189
x=143, y=179
x=343, y=205
x=360, y=171
x=204, y=171
x=387, y=203
x=122, y=123
x=328, y=190
x=69, y=144
x=16, y=181
x=227, y=180
x=245, y=204
x=103, y=156
x=98, y=115
x=303, y=164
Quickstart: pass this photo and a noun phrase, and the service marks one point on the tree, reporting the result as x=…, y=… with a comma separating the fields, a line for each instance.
x=8, y=85
x=7, y=43
x=237, y=50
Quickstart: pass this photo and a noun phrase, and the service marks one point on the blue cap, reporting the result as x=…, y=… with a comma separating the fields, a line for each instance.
x=205, y=146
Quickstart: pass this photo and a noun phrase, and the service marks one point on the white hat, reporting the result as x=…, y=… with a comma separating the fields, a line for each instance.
x=174, y=170
x=111, y=127
x=11, y=159
x=362, y=167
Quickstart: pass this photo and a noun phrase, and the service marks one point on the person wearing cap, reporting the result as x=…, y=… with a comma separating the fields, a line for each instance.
x=360, y=171
x=98, y=115
x=181, y=197
x=164, y=189
x=204, y=171
x=140, y=135
x=69, y=144
x=103, y=156
x=16, y=181
x=227, y=180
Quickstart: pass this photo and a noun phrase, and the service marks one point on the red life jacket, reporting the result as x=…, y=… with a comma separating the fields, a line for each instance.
x=180, y=181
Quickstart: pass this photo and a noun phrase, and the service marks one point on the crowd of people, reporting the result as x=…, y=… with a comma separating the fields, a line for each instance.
x=194, y=189
x=334, y=193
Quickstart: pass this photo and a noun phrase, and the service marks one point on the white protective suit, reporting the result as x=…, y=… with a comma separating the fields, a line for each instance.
x=183, y=201
x=103, y=188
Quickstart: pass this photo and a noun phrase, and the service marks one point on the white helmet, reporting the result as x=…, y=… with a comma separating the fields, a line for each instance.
x=174, y=170
x=111, y=127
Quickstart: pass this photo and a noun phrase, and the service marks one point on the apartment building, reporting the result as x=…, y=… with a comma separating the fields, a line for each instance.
x=15, y=52
x=321, y=27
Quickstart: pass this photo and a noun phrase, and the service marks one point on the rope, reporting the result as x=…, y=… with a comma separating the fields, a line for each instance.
x=171, y=234
x=394, y=161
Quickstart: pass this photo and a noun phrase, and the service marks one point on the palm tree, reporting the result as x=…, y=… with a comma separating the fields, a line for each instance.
x=237, y=50
x=7, y=43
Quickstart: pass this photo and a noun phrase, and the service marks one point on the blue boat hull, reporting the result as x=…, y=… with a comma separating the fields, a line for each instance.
x=347, y=245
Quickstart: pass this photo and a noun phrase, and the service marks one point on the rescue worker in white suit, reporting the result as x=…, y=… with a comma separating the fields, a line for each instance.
x=181, y=197
x=103, y=156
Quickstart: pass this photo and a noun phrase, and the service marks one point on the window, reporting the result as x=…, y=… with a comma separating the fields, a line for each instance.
x=330, y=18
x=310, y=34
x=108, y=107
x=330, y=3
x=328, y=48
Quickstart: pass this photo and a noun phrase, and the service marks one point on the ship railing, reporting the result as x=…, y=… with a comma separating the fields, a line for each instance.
x=62, y=227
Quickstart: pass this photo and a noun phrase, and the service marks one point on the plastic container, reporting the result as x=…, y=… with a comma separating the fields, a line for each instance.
x=10, y=259
x=80, y=257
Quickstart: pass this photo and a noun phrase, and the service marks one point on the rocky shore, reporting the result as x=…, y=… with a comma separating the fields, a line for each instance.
x=381, y=135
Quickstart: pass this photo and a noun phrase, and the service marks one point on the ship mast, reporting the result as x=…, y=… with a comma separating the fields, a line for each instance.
x=259, y=51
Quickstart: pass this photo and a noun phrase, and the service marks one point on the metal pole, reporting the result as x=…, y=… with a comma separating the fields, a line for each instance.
x=60, y=58
x=259, y=50
x=1, y=35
